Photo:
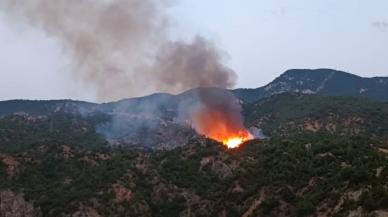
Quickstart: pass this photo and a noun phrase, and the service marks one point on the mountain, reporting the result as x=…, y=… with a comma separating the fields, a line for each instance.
x=320, y=81
x=137, y=105
x=290, y=113
x=323, y=156
x=305, y=81
x=43, y=107
x=151, y=121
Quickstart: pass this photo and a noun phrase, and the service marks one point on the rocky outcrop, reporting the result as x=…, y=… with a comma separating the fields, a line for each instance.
x=86, y=212
x=217, y=166
x=122, y=194
x=11, y=164
x=14, y=205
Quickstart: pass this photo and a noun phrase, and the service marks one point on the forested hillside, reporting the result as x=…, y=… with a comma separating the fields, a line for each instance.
x=324, y=156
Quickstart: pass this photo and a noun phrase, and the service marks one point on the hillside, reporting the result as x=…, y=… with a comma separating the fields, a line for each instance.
x=152, y=122
x=295, y=113
x=294, y=177
x=323, y=156
x=155, y=122
x=60, y=165
x=19, y=132
x=43, y=107
x=320, y=81
x=160, y=115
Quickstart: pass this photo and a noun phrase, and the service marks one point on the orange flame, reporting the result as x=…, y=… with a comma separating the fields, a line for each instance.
x=221, y=127
x=234, y=142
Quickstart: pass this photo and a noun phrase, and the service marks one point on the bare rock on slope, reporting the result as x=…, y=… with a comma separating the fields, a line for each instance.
x=14, y=205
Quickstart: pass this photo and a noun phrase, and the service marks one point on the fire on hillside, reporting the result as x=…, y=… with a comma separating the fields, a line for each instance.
x=219, y=118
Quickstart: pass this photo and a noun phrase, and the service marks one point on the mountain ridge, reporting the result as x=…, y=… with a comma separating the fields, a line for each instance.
x=307, y=81
x=324, y=156
x=319, y=81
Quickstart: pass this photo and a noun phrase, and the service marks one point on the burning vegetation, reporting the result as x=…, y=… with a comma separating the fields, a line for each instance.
x=219, y=126
x=219, y=117
x=235, y=141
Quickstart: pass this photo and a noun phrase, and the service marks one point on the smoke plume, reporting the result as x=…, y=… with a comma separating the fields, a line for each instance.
x=218, y=115
x=121, y=47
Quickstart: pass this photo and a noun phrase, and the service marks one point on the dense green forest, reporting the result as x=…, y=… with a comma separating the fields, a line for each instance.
x=58, y=165
x=297, y=176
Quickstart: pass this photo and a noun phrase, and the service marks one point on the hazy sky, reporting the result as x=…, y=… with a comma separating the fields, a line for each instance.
x=263, y=38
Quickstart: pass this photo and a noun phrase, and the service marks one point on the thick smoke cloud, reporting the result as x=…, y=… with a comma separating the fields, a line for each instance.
x=218, y=115
x=121, y=47
x=180, y=65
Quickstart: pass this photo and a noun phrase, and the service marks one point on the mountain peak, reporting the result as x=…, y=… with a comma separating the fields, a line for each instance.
x=320, y=81
x=320, y=73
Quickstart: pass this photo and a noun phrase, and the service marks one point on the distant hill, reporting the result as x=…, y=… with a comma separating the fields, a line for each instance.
x=148, y=104
x=151, y=121
x=289, y=113
x=43, y=107
x=320, y=81
x=305, y=81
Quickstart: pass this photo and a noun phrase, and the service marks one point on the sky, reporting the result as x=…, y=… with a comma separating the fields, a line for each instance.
x=263, y=38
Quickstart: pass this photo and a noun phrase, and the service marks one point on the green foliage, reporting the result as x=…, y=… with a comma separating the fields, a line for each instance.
x=302, y=170
x=304, y=207
x=286, y=113
x=45, y=184
x=18, y=133
x=269, y=204
x=375, y=198
x=169, y=208
x=186, y=173
x=336, y=83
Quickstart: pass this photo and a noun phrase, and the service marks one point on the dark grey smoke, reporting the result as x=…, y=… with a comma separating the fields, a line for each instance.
x=197, y=64
x=121, y=47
